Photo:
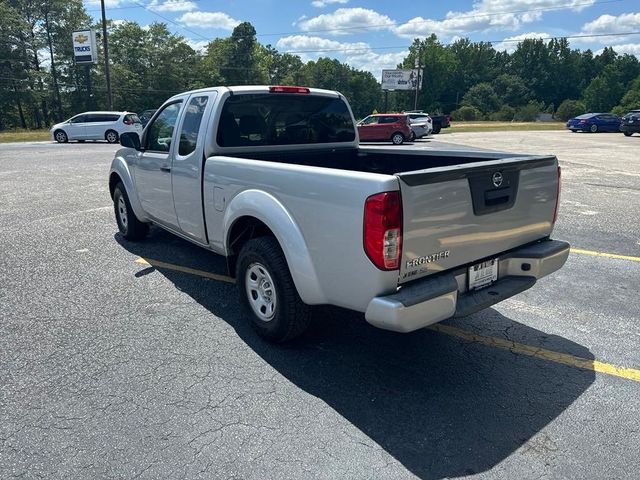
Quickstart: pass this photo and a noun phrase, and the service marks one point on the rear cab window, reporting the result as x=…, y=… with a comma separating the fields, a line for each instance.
x=267, y=119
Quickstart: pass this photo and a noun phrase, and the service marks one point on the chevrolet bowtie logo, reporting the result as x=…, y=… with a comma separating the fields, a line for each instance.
x=81, y=38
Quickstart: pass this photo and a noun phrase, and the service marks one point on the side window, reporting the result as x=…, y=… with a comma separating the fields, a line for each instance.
x=161, y=130
x=191, y=125
x=370, y=121
x=110, y=118
x=78, y=119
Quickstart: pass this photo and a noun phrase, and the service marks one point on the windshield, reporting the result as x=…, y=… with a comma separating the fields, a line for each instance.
x=282, y=119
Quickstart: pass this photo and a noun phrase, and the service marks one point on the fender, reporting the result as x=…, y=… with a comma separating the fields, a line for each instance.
x=267, y=209
x=120, y=166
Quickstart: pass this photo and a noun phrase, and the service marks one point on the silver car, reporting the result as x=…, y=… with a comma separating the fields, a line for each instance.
x=421, y=125
x=96, y=126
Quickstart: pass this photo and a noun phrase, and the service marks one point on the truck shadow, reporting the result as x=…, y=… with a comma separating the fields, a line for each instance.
x=441, y=406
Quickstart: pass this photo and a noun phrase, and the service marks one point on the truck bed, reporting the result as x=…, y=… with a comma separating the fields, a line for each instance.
x=454, y=213
x=387, y=161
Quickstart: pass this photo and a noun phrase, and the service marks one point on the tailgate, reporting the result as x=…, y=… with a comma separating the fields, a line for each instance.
x=461, y=214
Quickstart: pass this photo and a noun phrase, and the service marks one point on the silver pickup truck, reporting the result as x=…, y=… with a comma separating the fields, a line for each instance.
x=274, y=179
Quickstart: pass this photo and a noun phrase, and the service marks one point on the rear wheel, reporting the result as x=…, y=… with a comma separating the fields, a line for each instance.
x=436, y=129
x=130, y=227
x=593, y=129
x=412, y=137
x=628, y=134
x=397, y=138
x=111, y=136
x=267, y=291
x=60, y=136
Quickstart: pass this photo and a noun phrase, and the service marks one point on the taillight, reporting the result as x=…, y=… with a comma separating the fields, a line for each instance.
x=555, y=213
x=288, y=89
x=383, y=229
x=127, y=122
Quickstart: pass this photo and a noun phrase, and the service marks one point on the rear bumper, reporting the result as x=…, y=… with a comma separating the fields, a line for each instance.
x=433, y=299
x=630, y=128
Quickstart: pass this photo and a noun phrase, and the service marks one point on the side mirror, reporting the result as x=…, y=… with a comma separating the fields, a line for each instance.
x=130, y=140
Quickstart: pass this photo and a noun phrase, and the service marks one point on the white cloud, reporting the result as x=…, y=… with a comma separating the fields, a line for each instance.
x=107, y=3
x=209, y=20
x=624, y=23
x=511, y=43
x=357, y=54
x=487, y=15
x=172, y=6
x=630, y=48
x=197, y=45
x=324, y=3
x=345, y=21
x=310, y=48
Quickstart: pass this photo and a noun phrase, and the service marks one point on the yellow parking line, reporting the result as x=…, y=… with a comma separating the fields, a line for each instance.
x=593, y=253
x=180, y=268
x=495, y=342
x=542, y=353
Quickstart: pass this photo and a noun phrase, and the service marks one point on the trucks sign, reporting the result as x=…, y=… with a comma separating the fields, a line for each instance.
x=400, y=79
x=84, y=47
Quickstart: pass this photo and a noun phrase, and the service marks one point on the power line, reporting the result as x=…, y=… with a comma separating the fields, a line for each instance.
x=387, y=24
x=400, y=47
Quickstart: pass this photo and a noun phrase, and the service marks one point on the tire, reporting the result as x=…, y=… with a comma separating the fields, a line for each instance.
x=267, y=292
x=628, y=134
x=130, y=227
x=412, y=137
x=593, y=129
x=60, y=136
x=111, y=136
x=436, y=129
x=397, y=138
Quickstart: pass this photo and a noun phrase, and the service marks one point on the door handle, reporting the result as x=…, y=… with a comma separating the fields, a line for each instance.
x=165, y=169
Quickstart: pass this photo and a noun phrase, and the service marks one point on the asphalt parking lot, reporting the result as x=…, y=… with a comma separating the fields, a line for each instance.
x=128, y=360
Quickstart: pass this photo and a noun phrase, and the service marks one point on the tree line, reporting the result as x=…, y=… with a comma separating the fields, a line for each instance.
x=40, y=84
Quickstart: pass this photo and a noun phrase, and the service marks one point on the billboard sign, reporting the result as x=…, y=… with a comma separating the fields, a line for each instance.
x=84, y=47
x=400, y=79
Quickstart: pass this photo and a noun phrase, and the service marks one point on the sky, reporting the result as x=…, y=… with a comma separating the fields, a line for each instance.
x=372, y=35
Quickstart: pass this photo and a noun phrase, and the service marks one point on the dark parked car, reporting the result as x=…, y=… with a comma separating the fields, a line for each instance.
x=594, y=122
x=146, y=116
x=630, y=123
x=440, y=122
x=386, y=126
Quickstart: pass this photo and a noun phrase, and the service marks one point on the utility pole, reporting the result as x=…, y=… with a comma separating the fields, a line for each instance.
x=417, y=65
x=89, y=89
x=105, y=45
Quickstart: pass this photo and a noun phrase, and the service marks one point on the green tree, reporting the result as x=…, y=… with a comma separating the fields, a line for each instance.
x=505, y=114
x=512, y=90
x=240, y=66
x=483, y=97
x=569, y=109
x=439, y=67
x=466, y=113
